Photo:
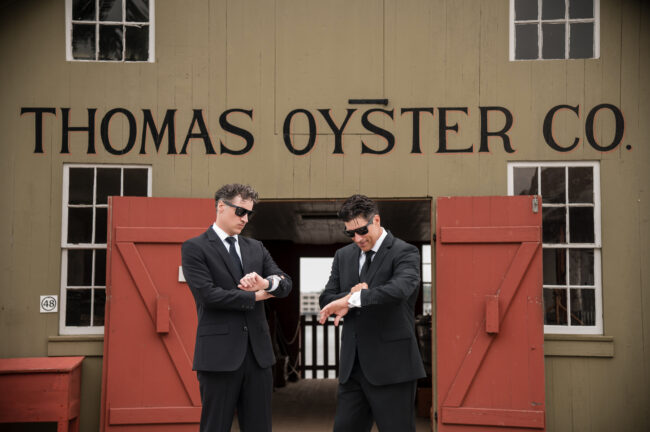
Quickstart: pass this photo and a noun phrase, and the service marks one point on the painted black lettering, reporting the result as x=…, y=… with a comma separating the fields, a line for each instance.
x=38, y=124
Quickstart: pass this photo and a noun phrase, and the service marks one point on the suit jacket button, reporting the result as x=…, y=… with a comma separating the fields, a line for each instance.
x=245, y=328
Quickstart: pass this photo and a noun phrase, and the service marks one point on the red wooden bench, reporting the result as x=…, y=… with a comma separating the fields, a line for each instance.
x=42, y=389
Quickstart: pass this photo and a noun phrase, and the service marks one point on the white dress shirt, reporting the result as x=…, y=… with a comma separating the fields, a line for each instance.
x=355, y=298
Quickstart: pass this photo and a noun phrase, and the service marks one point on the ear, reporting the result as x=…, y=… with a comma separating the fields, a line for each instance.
x=376, y=220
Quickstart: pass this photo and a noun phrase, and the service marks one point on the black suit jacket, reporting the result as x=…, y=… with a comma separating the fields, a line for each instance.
x=382, y=331
x=227, y=316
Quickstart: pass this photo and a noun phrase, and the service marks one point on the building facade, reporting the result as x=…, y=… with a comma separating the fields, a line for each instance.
x=317, y=100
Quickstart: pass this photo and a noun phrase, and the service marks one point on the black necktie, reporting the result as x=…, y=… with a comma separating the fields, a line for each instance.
x=233, y=254
x=366, y=266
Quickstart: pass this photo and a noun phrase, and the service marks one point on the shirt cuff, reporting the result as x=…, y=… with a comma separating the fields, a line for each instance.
x=274, y=282
x=355, y=300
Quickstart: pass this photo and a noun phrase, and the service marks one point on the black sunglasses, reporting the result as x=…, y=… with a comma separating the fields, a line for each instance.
x=239, y=211
x=361, y=230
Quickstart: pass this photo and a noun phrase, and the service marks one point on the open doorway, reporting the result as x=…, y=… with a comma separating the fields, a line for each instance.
x=302, y=236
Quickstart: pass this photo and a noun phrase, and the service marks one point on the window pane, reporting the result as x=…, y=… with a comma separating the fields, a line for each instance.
x=99, y=307
x=137, y=43
x=555, y=310
x=135, y=182
x=581, y=224
x=581, y=8
x=553, y=186
x=525, y=181
x=83, y=41
x=583, y=307
x=553, y=41
x=526, y=41
x=100, y=225
x=108, y=184
x=77, y=309
x=137, y=10
x=100, y=267
x=554, y=266
x=80, y=225
x=525, y=10
x=80, y=190
x=554, y=225
x=581, y=265
x=110, y=10
x=83, y=10
x=581, y=44
x=553, y=9
x=110, y=42
x=581, y=185
x=80, y=267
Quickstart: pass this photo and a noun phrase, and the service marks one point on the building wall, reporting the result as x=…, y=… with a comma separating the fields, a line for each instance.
x=273, y=57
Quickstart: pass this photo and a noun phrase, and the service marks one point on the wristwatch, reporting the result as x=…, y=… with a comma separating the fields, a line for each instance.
x=272, y=280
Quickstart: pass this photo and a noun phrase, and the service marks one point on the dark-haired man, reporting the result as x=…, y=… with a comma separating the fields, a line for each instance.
x=230, y=276
x=374, y=283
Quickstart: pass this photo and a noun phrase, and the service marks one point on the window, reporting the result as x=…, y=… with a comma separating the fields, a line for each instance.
x=572, y=286
x=110, y=30
x=554, y=29
x=86, y=189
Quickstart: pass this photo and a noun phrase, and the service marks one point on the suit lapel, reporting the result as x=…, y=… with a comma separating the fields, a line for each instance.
x=379, y=256
x=221, y=250
x=245, y=249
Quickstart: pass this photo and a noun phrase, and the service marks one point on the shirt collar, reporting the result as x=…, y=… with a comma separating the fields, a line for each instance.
x=380, y=240
x=222, y=234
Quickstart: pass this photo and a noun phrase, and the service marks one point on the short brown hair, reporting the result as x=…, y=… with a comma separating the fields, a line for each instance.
x=230, y=191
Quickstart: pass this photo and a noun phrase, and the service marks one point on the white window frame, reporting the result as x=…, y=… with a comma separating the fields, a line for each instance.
x=68, y=33
x=567, y=31
x=65, y=246
x=596, y=246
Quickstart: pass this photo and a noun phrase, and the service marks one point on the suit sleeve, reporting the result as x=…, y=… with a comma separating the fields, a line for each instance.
x=198, y=277
x=333, y=289
x=270, y=269
x=404, y=282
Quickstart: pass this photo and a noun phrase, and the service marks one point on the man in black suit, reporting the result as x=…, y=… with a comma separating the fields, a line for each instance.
x=230, y=276
x=374, y=283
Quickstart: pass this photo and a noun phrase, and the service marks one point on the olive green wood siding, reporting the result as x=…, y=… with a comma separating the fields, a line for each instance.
x=277, y=56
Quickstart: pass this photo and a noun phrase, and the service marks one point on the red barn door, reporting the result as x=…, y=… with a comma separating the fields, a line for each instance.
x=490, y=335
x=147, y=381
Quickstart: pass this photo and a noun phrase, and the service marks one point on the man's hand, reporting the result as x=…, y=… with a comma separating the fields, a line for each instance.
x=358, y=287
x=253, y=282
x=337, y=307
x=262, y=295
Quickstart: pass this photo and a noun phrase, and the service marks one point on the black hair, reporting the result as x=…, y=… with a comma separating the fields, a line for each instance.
x=358, y=205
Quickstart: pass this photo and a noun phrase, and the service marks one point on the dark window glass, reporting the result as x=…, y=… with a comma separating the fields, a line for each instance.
x=135, y=182
x=81, y=186
x=137, y=10
x=581, y=9
x=110, y=10
x=100, y=267
x=83, y=10
x=137, y=43
x=525, y=10
x=581, y=224
x=555, y=310
x=108, y=184
x=83, y=41
x=80, y=267
x=554, y=266
x=526, y=41
x=581, y=185
x=77, y=309
x=99, y=307
x=100, y=225
x=553, y=185
x=525, y=181
x=553, y=9
x=80, y=225
x=581, y=43
x=581, y=264
x=583, y=307
x=554, y=225
x=552, y=41
x=110, y=42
